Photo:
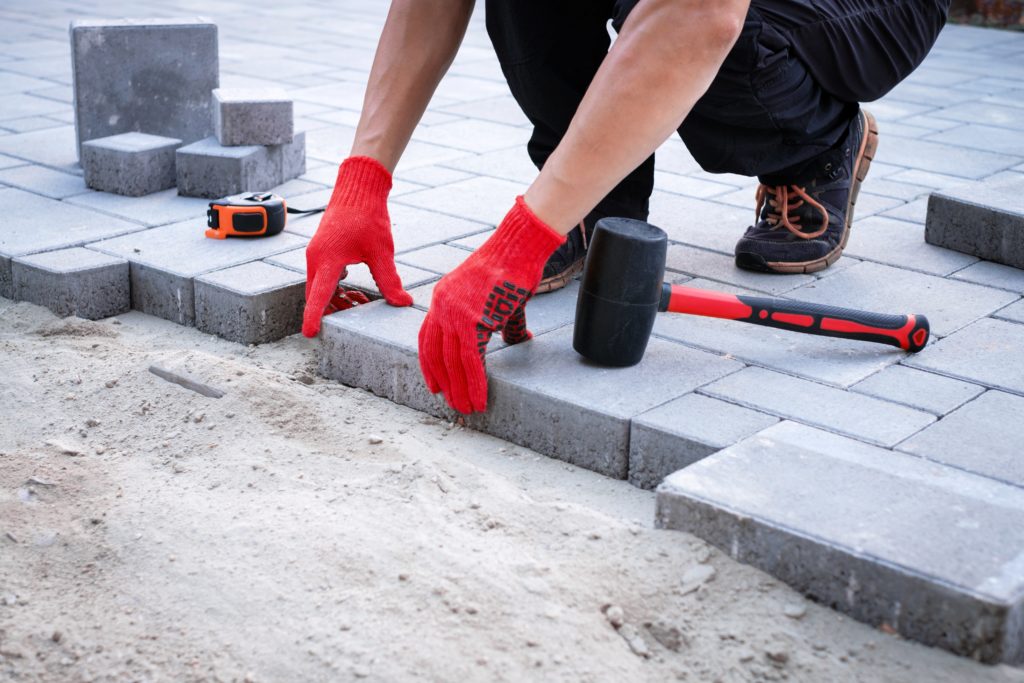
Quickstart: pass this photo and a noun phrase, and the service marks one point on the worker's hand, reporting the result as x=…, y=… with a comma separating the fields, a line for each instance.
x=355, y=229
x=484, y=295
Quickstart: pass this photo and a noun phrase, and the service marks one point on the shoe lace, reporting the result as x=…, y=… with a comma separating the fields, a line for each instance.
x=783, y=201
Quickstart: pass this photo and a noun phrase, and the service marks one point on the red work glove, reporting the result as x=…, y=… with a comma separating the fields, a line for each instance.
x=355, y=229
x=484, y=295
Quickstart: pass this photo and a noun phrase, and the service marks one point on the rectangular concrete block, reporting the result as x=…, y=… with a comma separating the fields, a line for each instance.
x=252, y=303
x=983, y=219
x=855, y=415
x=166, y=260
x=984, y=436
x=918, y=389
x=33, y=224
x=132, y=164
x=546, y=397
x=681, y=432
x=243, y=116
x=208, y=169
x=374, y=347
x=929, y=551
x=986, y=352
x=74, y=281
x=148, y=75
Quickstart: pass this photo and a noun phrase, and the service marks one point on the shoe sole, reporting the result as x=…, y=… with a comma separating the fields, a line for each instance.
x=866, y=154
x=556, y=282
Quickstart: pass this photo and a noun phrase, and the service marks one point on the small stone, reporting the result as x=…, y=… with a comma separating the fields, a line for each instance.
x=670, y=637
x=777, y=653
x=91, y=422
x=615, y=616
x=63, y=448
x=403, y=577
x=374, y=439
x=110, y=384
x=10, y=599
x=795, y=611
x=746, y=655
x=304, y=379
x=696, y=576
x=56, y=636
x=635, y=642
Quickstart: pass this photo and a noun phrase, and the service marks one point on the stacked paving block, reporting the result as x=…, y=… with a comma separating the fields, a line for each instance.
x=132, y=164
x=148, y=75
x=983, y=219
x=255, y=146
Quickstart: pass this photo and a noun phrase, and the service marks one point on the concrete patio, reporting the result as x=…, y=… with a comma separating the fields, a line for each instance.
x=886, y=485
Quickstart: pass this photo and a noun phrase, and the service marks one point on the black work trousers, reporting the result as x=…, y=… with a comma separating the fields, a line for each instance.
x=784, y=95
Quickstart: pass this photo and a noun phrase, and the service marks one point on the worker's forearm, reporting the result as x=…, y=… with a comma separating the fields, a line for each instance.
x=665, y=58
x=417, y=46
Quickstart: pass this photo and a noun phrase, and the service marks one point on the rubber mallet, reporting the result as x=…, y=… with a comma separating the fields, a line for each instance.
x=622, y=290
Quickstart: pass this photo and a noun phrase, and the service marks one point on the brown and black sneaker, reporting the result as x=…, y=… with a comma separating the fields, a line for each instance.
x=567, y=261
x=803, y=223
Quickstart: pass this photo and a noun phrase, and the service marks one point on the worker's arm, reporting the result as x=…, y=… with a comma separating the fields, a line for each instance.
x=419, y=42
x=665, y=58
x=417, y=46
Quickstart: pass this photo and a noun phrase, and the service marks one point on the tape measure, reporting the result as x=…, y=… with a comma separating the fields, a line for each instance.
x=250, y=214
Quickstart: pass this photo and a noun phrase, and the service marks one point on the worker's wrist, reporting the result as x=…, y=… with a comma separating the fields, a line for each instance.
x=522, y=237
x=362, y=181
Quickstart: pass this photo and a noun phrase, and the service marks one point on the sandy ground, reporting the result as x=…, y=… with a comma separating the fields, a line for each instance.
x=149, y=533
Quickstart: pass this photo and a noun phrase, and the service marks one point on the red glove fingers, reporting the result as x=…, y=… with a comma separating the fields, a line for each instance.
x=486, y=294
x=355, y=228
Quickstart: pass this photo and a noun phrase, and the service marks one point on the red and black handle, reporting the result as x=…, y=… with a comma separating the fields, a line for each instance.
x=908, y=332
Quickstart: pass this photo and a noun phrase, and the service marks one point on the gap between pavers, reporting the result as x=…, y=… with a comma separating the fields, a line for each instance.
x=929, y=551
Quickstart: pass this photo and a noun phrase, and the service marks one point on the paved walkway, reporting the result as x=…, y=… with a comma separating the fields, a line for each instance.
x=705, y=384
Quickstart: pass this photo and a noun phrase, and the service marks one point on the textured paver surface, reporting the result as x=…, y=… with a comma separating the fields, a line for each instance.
x=947, y=419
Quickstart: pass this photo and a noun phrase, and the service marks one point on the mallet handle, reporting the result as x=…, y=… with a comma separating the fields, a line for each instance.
x=908, y=332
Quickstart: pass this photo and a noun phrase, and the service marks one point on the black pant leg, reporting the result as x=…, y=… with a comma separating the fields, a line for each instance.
x=791, y=84
x=549, y=51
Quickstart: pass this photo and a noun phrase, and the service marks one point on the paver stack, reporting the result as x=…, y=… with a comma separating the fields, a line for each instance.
x=149, y=114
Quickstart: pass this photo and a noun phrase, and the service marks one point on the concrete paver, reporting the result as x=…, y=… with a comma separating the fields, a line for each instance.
x=926, y=391
x=986, y=352
x=983, y=219
x=252, y=303
x=133, y=164
x=252, y=117
x=887, y=538
x=74, y=281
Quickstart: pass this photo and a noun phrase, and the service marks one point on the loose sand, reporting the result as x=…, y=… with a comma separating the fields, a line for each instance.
x=149, y=533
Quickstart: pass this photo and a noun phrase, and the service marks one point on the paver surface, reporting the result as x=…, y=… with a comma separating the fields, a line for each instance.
x=706, y=384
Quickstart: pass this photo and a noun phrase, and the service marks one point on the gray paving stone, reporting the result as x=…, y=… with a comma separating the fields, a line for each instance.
x=208, y=169
x=926, y=391
x=374, y=347
x=433, y=176
x=508, y=164
x=473, y=135
x=700, y=222
x=838, y=362
x=545, y=397
x=683, y=431
x=159, y=208
x=986, y=352
x=930, y=551
x=18, y=105
x=439, y=258
x=132, y=164
x=24, y=233
x=690, y=186
x=1014, y=312
x=983, y=437
x=988, y=138
x=949, y=304
x=73, y=281
x=714, y=265
x=901, y=244
x=983, y=219
x=166, y=260
x=153, y=76
x=358, y=274
x=10, y=162
x=502, y=109
x=913, y=212
x=54, y=147
x=485, y=200
x=993, y=275
x=473, y=241
x=941, y=158
x=985, y=113
x=252, y=117
x=44, y=181
x=858, y=416
x=252, y=303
